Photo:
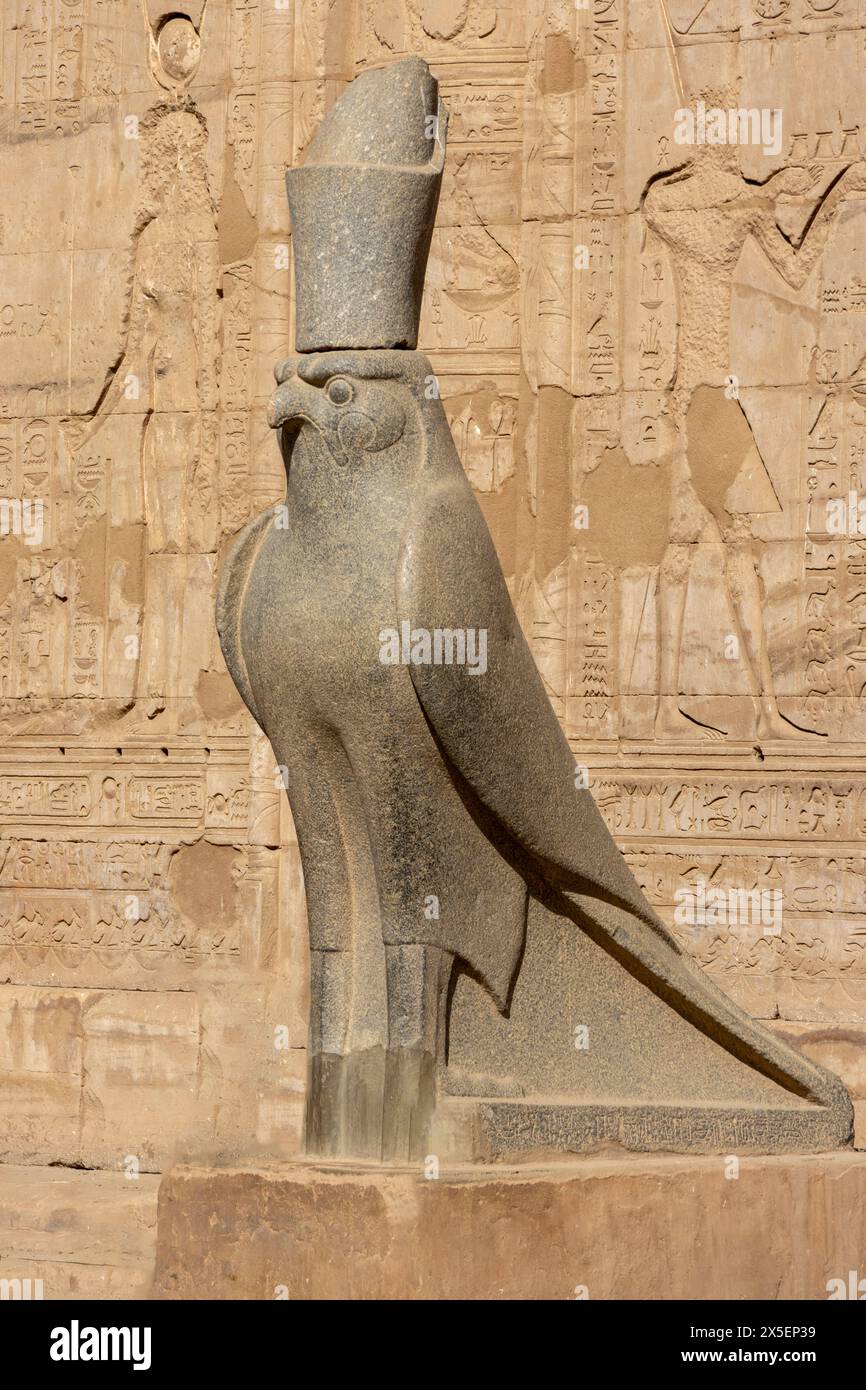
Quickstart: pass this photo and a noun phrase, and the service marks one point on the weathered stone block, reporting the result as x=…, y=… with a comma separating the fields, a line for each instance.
x=648, y=1228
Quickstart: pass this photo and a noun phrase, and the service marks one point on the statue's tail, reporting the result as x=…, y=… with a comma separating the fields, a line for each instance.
x=653, y=956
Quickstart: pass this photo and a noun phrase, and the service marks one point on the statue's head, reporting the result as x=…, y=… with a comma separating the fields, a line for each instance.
x=348, y=404
x=363, y=205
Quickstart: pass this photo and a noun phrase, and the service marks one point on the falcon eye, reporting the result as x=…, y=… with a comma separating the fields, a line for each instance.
x=339, y=392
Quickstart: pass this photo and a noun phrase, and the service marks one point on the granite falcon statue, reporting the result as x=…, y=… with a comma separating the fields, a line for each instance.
x=449, y=856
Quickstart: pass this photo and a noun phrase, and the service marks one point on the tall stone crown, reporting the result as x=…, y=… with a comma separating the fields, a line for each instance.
x=363, y=205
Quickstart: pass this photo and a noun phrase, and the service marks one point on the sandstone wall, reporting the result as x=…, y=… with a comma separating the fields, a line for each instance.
x=656, y=384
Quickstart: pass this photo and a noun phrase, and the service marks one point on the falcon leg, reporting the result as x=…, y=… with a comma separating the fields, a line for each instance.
x=417, y=979
x=330, y=1001
x=347, y=1063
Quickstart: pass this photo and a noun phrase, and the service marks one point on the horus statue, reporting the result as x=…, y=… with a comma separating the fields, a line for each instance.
x=487, y=978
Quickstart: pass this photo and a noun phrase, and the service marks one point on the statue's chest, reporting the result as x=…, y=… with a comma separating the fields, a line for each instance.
x=314, y=609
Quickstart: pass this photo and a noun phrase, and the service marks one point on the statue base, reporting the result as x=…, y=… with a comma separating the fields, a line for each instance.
x=604, y=1228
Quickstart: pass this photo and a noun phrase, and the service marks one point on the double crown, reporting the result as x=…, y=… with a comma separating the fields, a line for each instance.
x=363, y=205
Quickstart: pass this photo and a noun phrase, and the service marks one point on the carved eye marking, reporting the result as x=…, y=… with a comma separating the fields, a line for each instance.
x=339, y=391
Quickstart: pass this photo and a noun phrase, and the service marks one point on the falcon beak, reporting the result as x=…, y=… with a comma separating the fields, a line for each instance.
x=295, y=402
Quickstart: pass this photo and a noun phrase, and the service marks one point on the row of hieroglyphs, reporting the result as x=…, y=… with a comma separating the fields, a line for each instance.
x=218, y=797
x=102, y=931
x=818, y=929
x=810, y=881
x=49, y=879
x=732, y=806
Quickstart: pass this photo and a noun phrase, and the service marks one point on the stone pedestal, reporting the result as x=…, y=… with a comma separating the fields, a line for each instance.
x=603, y=1228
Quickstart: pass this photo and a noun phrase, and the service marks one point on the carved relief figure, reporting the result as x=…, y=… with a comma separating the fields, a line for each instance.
x=704, y=213
x=167, y=371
